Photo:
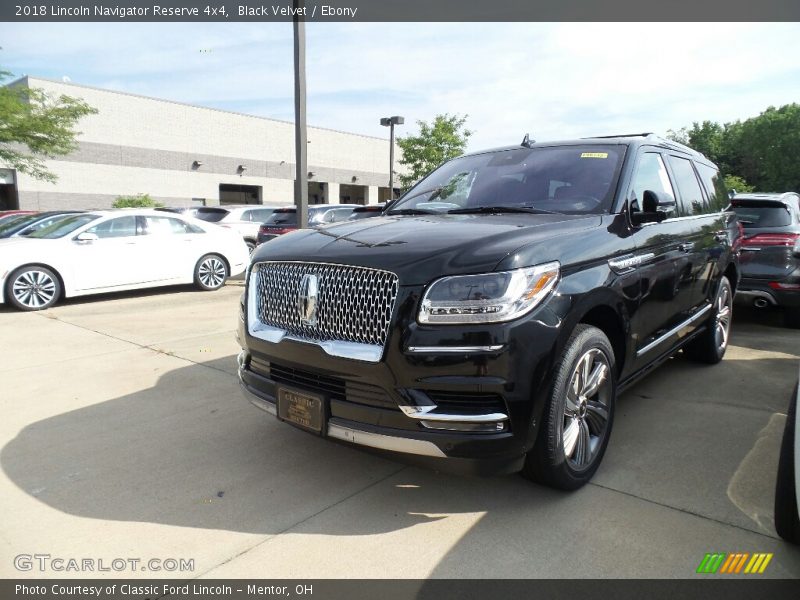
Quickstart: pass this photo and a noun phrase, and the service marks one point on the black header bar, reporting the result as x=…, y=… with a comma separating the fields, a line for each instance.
x=364, y=11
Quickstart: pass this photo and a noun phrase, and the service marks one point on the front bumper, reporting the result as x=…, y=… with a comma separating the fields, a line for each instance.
x=486, y=387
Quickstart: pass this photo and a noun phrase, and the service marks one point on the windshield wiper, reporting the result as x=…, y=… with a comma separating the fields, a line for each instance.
x=501, y=209
x=413, y=211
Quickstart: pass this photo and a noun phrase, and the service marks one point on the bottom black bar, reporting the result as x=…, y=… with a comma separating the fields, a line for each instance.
x=433, y=589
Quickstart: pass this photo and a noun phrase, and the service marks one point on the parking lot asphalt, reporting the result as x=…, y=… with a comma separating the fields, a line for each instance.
x=124, y=435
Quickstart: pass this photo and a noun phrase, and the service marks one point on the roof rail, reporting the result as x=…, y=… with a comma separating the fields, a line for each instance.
x=666, y=142
x=620, y=135
x=682, y=147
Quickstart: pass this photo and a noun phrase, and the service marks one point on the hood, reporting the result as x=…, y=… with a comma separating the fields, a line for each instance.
x=420, y=248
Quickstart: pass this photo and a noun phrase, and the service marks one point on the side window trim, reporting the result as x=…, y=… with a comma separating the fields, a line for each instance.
x=684, y=209
x=644, y=150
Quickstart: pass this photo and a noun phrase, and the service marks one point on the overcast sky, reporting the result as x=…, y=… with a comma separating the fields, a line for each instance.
x=553, y=80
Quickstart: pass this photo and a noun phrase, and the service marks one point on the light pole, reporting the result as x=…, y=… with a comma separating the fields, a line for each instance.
x=390, y=122
x=300, y=134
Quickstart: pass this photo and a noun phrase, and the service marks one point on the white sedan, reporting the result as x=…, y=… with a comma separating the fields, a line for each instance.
x=107, y=251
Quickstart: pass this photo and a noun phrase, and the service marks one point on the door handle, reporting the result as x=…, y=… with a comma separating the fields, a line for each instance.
x=686, y=246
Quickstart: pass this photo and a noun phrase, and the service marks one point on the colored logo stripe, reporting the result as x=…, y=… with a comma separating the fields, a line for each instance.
x=734, y=563
x=758, y=563
x=711, y=563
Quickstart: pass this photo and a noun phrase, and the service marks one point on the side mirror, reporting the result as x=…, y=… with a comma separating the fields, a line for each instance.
x=656, y=206
x=86, y=238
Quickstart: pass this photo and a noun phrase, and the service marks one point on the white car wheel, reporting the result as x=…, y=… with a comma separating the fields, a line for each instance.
x=211, y=272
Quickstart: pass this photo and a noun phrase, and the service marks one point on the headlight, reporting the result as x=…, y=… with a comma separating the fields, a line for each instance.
x=488, y=298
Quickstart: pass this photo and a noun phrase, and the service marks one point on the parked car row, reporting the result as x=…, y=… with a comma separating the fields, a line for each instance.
x=93, y=252
x=45, y=256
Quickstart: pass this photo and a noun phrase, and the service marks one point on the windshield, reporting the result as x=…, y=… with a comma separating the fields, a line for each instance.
x=557, y=179
x=13, y=224
x=753, y=215
x=63, y=226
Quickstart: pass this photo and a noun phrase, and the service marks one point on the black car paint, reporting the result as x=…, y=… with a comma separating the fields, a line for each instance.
x=690, y=255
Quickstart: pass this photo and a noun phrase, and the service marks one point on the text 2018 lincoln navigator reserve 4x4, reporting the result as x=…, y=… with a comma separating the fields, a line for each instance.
x=492, y=315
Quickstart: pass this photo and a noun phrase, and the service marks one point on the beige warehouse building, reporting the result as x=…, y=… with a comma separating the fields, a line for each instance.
x=182, y=155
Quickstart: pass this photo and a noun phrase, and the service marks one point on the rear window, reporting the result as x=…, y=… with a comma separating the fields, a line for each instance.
x=211, y=215
x=754, y=215
x=288, y=217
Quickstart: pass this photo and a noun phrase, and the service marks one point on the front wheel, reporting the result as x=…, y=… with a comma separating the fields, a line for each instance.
x=709, y=347
x=211, y=272
x=33, y=288
x=576, y=423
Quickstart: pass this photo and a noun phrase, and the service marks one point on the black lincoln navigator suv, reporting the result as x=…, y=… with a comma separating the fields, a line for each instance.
x=491, y=316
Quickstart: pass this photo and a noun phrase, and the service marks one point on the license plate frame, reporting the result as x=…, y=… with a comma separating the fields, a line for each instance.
x=302, y=409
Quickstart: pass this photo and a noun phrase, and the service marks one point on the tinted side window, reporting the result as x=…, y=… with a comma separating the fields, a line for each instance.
x=119, y=227
x=691, y=200
x=715, y=187
x=651, y=174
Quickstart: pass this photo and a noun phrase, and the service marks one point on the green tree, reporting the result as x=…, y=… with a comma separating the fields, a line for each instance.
x=734, y=182
x=438, y=141
x=770, y=149
x=137, y=201
x=35, y=126
x=761, y=152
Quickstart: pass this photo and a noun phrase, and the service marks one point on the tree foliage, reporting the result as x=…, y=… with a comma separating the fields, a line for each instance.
x=442, y=139
x=762, y=152
x=137, y=201
x=734, y=182
x=35, y=126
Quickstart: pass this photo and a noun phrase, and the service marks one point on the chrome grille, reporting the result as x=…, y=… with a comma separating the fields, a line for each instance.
x=354, y=304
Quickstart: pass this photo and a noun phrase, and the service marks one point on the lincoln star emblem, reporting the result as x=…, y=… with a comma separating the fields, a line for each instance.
x=307, y=299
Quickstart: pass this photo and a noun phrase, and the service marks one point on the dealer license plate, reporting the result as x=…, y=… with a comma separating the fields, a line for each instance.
x=301, y=409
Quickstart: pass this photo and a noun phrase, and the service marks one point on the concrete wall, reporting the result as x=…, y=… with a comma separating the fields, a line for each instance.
x=144, y=145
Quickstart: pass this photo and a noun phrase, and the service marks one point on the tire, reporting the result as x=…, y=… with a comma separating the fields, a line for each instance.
x=787, y=521
x=251, y=245
x=791, y=318
x=33, y=288
x=211, y=272
x=569, y=461
x=710, y=346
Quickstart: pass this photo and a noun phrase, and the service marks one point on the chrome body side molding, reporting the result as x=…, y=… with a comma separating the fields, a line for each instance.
x=673, y=331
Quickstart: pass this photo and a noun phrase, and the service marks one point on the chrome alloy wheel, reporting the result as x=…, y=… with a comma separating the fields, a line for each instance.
x=585, y=420
x=34, y=289
x=211, y=272
x=722, y=321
